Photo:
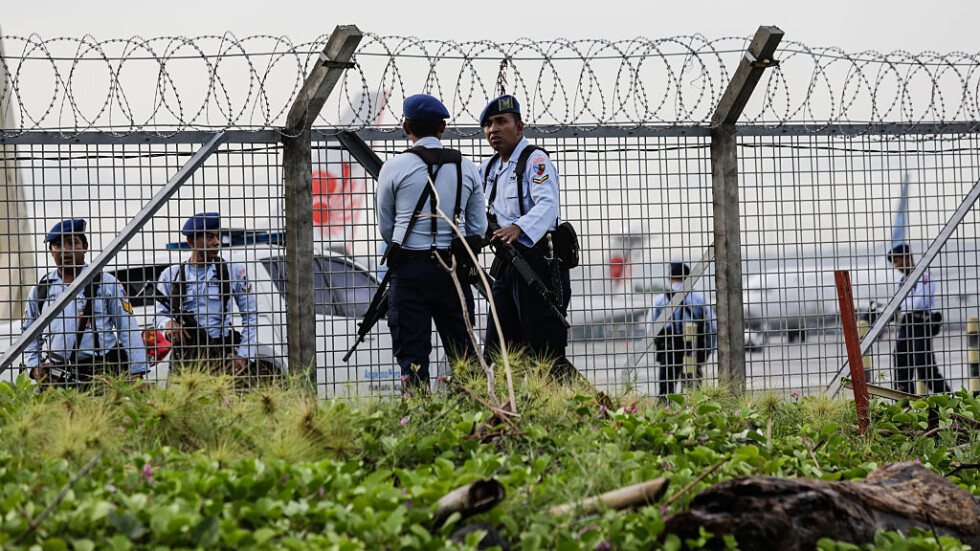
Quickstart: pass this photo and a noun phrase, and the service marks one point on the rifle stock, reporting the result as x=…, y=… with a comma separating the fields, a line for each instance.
x=377, y=310
x=510, y=254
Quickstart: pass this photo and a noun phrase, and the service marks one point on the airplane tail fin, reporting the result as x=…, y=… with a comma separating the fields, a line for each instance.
x=900, y=227
x=338, y=182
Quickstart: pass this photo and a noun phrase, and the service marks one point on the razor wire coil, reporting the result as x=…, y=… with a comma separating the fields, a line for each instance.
x=170, y=84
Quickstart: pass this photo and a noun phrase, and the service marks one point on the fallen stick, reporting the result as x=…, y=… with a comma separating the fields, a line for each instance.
x=630, y=496
x=691, y=484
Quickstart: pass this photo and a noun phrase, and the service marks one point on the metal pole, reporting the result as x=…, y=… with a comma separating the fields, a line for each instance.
x=113, y=248
x=849, y=321
x=298, y=183
x=727, y=226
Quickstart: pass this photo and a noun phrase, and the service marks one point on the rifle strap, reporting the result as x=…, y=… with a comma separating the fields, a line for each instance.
x=178, y=290
x=85, y=319
x=518, y=173
x=434, y=158
x=43, y=288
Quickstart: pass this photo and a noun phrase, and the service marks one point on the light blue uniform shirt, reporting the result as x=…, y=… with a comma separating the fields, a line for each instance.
x=540, y=194
x=202, y=286
x=112, y=318
x=921, y=297
x=697, y=310
x=400, y=184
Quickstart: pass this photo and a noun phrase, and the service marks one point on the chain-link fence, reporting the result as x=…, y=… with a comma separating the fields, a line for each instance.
x=816, y=193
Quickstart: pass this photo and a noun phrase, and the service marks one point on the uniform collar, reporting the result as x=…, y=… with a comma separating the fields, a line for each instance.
x=517, y=150
x=55, y=276
x=430, y=142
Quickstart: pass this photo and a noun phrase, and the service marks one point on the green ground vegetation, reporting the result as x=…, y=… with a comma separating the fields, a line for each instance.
x=203, y=465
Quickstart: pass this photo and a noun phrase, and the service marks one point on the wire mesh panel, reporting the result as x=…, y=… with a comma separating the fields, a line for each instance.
x=106, y=182
x=810, y=204
x=813, y=204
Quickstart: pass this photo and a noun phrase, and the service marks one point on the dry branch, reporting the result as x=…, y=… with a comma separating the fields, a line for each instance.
x=630, y=496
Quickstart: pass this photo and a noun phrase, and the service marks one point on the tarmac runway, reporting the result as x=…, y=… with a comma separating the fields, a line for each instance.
x=779, y=365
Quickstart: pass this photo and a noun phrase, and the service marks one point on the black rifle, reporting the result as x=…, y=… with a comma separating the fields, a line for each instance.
x=377, y=310
x=509, y=253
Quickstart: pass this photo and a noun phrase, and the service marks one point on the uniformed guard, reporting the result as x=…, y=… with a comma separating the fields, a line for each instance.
x=96, y=333
x=195, y=297
x=917, y=323
x=521, y=184
x=688, y=339
x=420, y=290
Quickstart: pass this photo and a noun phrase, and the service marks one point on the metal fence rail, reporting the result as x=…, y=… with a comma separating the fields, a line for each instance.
x=810, y=203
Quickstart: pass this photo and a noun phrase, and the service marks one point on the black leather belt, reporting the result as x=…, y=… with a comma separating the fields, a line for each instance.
x=425, y=254
x=541, y=245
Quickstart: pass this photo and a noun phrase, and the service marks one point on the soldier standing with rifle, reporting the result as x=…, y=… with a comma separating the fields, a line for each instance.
x=521, y=184
x=420, y=290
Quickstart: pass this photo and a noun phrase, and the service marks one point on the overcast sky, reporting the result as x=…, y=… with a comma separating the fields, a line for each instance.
x=855, y=25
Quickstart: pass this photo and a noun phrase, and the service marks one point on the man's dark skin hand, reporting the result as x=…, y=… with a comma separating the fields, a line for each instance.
x=39, y=372
x=507, y=235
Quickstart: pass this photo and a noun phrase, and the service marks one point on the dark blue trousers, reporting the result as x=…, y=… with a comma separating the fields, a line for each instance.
x=419, y=292
x=672, y=365
x=914, y=358
x=525, y=316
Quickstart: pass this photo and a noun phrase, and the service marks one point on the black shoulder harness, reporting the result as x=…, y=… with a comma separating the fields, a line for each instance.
x=518, y=172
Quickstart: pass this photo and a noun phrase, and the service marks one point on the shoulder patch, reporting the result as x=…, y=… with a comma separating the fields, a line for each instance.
x=538, y=159
x=241, y=273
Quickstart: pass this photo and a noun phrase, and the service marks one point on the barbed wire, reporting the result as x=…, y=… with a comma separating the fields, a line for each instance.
x=170, y=84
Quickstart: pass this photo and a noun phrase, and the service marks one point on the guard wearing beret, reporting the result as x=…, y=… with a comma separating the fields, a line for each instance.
x=688, y=338
x=195, y=311
x=420, y=289
x=917, y=323
x=96, y=333
x=521, y=184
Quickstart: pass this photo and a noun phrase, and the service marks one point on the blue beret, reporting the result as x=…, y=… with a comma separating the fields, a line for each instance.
x=503, y=104
x=202, y=222
x=679, y=270
x=66, y=227
x=899, y=250
x=423, y=107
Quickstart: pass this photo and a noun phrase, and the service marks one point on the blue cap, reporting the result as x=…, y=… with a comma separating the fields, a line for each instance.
x=66, y=227
x=423, y=107
x=898, y=250
x=679, y=270
x=503, y=104
x=202, y=222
